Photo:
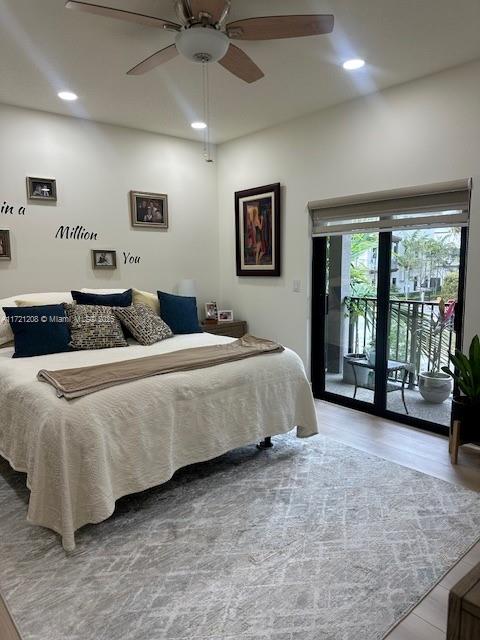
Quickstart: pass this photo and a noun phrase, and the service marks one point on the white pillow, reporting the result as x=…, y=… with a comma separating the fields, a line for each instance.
x=6, y=334
x=104, y=292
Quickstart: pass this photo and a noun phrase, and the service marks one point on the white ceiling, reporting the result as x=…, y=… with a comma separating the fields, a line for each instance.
x=45, y=48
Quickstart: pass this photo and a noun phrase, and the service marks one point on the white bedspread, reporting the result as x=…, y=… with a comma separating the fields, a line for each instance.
x=82, y=455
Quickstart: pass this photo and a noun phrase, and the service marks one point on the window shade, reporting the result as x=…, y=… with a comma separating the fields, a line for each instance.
x=435, y=205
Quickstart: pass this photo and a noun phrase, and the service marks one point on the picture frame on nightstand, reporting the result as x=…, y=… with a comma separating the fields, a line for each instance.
x=211, y=312
x=225, y=315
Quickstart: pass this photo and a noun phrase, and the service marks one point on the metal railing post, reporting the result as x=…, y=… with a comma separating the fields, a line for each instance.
x=413, y=346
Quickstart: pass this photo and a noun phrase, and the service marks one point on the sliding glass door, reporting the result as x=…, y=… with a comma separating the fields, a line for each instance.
x=423, y=304
x=350, y=322
x=387, y=310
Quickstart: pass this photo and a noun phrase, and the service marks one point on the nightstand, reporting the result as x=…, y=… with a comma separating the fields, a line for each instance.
x=236, y=329
x=464, y=607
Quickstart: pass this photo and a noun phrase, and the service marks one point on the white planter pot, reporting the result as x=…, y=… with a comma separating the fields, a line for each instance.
x=348, y=374
x=434, y=387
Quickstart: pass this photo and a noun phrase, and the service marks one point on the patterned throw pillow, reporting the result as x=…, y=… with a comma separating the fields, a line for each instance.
x=94, y=327
x=143, y=323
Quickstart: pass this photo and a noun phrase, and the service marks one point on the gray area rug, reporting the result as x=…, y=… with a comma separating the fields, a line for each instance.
x=312, y=540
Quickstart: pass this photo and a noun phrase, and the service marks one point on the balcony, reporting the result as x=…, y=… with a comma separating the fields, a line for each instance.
x=413, y=342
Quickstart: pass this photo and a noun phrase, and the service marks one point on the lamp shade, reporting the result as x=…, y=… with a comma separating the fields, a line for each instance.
x=187, y=288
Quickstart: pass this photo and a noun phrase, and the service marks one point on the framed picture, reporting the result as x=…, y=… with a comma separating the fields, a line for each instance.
x=225, y=315
x=211, y=312
x=149, y=210
x=42, y=189
x=102, y=259
x=5, y=252
x=257, y=216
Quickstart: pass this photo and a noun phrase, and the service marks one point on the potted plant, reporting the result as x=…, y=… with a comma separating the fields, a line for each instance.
x=467, y=377
x=435, y=385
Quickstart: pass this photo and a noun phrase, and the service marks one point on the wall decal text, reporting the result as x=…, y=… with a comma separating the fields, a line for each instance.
x=10, y=209
x=74, y=233
x=129, y=259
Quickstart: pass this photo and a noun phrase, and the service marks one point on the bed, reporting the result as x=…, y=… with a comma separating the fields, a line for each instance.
x=81, y=455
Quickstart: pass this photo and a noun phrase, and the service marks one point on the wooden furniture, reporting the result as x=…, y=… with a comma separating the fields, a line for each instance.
x=454, y=441
x=236, y=329
x=464, y=608
x=459, y=435
x=392, y=367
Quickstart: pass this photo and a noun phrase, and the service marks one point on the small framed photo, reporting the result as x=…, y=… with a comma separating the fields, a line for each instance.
x=211, y=312
x=42, y=189
x=149, y=210
x=102, y=259
x=225, y=315
x=5, y=252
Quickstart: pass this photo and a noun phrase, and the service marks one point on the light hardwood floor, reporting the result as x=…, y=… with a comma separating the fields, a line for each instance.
x=412, y=448
x=8, y=630
x=424, y=452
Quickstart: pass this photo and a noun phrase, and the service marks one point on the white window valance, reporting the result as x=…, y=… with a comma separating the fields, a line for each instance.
x=434, y=205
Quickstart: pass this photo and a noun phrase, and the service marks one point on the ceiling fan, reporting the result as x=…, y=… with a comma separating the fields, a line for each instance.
x=204, y=36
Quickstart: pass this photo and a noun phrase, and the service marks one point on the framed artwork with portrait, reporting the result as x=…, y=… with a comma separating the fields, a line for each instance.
x=225, y=315
x=149, y=210
x=104, y=259
x=42, y=189
x=211, y=311
x=257, y=220
x=5, y=252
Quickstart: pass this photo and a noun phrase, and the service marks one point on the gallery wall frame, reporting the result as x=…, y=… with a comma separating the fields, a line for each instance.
x=5, y=247
x=42, y=189
x=149, y=210
x=104, y=259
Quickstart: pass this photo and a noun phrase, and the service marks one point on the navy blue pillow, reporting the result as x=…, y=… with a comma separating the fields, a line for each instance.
x=107, y=300
x=179, y=312
x=39, y=331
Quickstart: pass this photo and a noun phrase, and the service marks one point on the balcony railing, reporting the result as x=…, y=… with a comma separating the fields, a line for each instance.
x=412, y=335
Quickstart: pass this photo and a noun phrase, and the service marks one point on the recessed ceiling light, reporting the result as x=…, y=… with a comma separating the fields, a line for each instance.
x=67, y=95
x=198, y=125
x=355, y=63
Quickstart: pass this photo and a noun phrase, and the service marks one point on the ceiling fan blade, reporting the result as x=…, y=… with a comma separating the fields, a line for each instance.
x=214, y=7
x=278, y=27
x=129, y=16
x=155, y=60
x=237, y=62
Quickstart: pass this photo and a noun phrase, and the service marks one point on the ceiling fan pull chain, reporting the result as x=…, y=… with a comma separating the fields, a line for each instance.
x=206, y=113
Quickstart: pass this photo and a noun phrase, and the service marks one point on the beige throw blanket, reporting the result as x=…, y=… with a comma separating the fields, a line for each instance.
x=81, y=381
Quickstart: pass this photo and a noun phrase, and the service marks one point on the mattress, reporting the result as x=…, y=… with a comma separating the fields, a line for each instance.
x=80, y=456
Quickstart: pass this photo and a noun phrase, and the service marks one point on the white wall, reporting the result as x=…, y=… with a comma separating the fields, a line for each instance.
x=424, y=131
x=96, y=166
x=421, y=132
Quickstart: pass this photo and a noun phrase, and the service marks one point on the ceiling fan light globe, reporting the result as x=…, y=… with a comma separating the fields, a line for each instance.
x=202, y=44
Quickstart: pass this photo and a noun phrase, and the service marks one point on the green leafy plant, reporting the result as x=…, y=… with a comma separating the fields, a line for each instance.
x=450, y=286
x=467, y=370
